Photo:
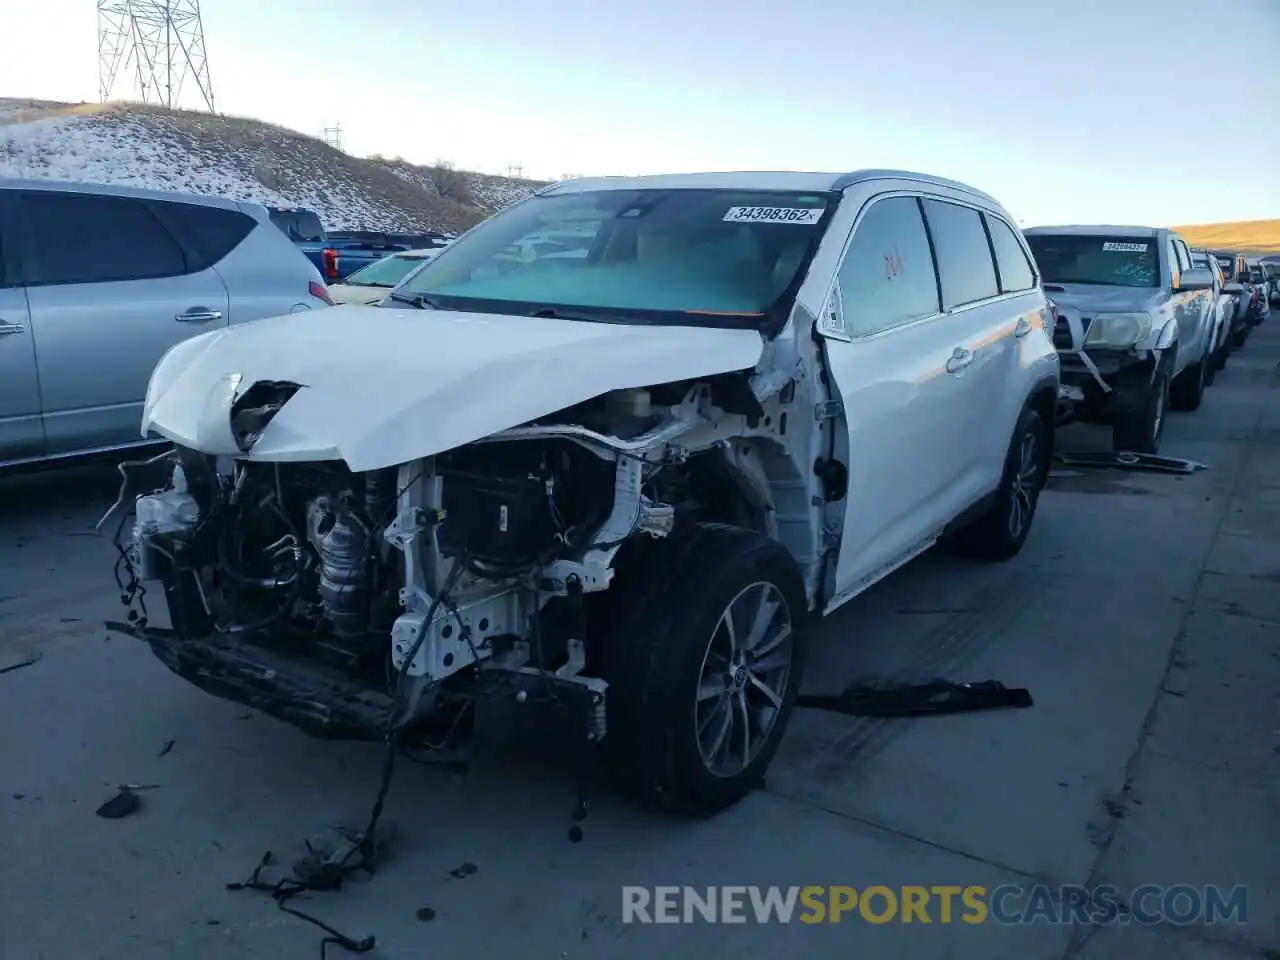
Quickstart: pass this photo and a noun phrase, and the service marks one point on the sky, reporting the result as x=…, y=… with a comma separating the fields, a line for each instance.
x=1157, y=112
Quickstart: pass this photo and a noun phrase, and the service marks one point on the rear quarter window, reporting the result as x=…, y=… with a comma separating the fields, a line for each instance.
x=1016, y=272
x=207, y=234
x=965, y=264
x=300, y=226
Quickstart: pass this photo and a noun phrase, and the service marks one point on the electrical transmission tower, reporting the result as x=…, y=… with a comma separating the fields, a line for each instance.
x=158, y=45
x=333, y=136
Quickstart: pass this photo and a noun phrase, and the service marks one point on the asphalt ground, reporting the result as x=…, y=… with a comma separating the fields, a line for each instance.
x=1143, y=615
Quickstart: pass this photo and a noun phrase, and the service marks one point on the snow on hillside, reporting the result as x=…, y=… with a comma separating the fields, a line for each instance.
x=242, y=159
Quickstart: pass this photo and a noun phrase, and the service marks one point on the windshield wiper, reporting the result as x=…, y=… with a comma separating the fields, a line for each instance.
x=551, y=313
x=419, y=300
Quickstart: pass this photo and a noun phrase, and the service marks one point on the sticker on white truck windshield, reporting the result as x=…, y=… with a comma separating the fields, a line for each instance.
x=800, y=215
x=1112, y=247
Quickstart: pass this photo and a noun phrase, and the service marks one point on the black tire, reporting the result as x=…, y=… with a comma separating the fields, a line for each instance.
x=1187, y=391
x=1238, y=337
x=1212, y=364
x=1141, y=430
x=996, y=535
x=666, y=629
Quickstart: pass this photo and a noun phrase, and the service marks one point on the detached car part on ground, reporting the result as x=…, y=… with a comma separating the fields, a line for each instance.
x=1134, y=323
x=617, y=485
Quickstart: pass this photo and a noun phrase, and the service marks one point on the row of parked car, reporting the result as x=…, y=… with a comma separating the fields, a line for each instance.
x=1143, y=322
x=97, y=282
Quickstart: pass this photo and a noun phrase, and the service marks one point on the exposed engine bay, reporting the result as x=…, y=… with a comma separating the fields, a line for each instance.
x=349, y=603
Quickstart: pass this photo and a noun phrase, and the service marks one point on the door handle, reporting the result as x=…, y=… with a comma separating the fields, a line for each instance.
x=1022, y=327
x=960, y=359
x=198, y=315
x=7, y=328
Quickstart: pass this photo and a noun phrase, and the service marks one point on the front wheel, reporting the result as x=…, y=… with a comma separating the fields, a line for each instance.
x=704, y=662
x=1187, y=392
x=1140, y=430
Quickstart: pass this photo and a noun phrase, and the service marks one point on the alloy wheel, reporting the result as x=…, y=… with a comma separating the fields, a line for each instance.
x=745, y=670
x=1026, y=485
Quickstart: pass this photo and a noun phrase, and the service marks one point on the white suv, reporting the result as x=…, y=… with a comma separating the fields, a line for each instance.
x=619, y=483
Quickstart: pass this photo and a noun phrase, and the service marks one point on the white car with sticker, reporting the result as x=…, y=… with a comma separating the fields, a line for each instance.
x=619, y=482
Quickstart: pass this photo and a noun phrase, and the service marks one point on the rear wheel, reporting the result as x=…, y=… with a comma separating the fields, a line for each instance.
x=1000, y=532
x=704, y=663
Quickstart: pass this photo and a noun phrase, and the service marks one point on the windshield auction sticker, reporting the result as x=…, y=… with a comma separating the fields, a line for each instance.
x=1112, y=247
x=799, y=215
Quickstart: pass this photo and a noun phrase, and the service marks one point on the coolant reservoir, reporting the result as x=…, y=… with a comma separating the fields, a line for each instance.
x=629, y=403
x=171, y=511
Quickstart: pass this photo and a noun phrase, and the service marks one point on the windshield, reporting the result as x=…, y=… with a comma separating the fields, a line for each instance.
x=386, y=272
x=300, y=226
x=717, y=257
x=1111, y=261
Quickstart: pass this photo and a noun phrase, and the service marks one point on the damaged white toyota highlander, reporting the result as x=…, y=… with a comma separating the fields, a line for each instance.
x=619, y=479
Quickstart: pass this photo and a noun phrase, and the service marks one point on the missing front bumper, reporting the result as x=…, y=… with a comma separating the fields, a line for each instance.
x=325, y=702
x=316, y=698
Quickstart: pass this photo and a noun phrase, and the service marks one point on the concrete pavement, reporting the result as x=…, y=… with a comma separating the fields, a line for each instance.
x=1144, y=616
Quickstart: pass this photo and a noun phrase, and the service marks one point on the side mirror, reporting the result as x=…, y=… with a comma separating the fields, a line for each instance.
x=1197, y=278
x=1233, y=288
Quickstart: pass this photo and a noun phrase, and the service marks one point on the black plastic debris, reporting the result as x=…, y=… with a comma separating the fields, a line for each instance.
x=168, y=745
x=464, y=871
x=1143, y=462
x=121, y=805
x=919, y=700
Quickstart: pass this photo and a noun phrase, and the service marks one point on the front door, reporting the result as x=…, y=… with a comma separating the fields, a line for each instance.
x=109, y=293
x=902, y=386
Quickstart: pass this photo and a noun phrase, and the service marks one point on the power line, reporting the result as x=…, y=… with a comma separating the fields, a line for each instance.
x=157, y=45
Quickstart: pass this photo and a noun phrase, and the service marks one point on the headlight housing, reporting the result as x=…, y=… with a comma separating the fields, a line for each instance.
x=1118, y=330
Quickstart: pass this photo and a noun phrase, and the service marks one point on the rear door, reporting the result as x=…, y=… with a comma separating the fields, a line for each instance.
x=21, y=432
x=110, y=289
x=981, y=323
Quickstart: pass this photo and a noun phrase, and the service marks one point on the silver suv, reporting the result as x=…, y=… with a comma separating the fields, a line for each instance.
x=1135, y=325
x=97, y=282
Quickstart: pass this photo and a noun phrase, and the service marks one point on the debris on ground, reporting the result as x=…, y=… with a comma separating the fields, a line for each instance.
x=330, y=860
x=15, y=656
x=124, y=803
x=1146, y=462
x=168, y=745
x=892, y=700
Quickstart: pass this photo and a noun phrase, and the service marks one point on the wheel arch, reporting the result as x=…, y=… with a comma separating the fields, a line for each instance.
x=1043, y=399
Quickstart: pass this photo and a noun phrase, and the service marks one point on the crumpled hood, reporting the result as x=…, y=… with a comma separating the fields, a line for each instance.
x=1092, y=299
x=381, y=387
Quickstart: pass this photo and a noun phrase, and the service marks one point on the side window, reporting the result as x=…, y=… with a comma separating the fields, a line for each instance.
x=965, y=266
x=1015, y=269
x=80, y=238
x=207, y=233
x=887, y=277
